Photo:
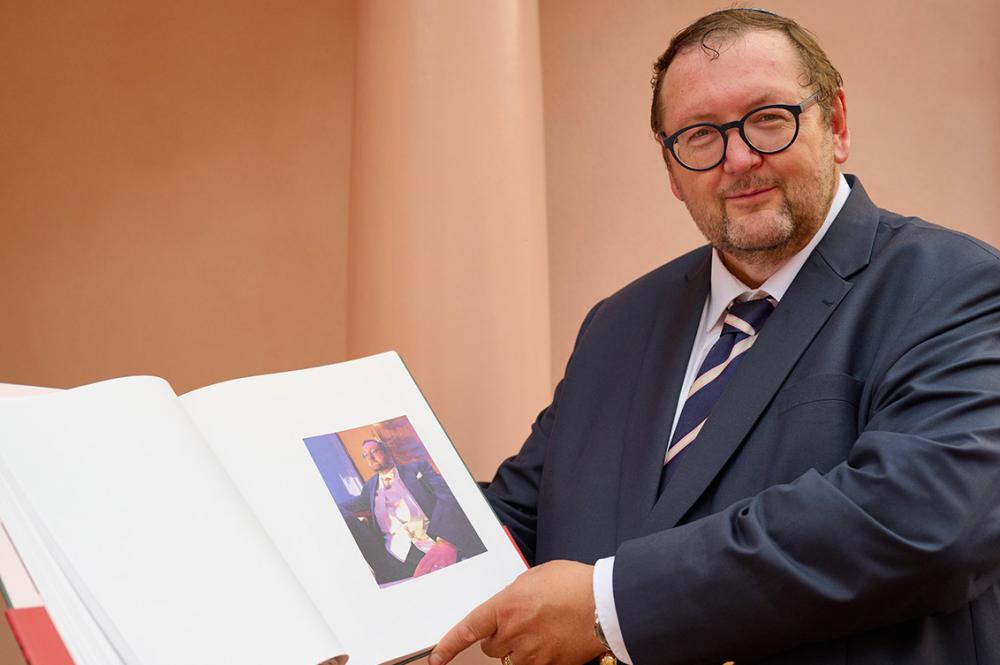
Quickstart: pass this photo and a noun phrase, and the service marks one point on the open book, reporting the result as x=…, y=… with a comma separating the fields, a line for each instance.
x=286, y=518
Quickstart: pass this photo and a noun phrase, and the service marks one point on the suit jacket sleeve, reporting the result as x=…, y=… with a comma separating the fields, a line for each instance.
x=359, y=504
x=446, y=519
x=513, y=494
x=907, y=526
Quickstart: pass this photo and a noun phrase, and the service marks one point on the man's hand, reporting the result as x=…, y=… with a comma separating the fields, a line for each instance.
x=545, y=617
x=441, y=554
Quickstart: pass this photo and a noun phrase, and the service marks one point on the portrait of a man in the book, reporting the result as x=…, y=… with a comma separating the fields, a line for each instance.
x=397, y=506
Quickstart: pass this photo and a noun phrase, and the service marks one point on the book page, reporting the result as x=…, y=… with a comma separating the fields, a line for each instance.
x=149, y=530
x=45, y=584
x=18, y=587
x=80, y=633
x=304, y=446
x=18, y=390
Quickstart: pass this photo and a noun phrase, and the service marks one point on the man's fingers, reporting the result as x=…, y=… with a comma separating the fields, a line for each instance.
x=491, y=646
x=478, y=624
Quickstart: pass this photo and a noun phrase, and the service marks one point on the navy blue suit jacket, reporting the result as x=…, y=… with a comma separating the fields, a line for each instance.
x=841, y=504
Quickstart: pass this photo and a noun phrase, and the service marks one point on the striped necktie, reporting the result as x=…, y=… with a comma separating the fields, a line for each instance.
x=739, y=332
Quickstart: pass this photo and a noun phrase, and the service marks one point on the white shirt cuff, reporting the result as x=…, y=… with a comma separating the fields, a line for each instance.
x=604, y=599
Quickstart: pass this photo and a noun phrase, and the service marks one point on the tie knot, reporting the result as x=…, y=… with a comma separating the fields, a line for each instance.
x=747, y=317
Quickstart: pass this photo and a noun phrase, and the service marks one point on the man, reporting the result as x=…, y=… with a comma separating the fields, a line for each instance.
x=420, y=524
x=784, y=447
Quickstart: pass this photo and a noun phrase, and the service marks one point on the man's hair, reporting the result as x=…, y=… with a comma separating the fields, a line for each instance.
x=727, y=24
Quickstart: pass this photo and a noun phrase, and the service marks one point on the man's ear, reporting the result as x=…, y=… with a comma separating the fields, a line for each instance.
x=838, y=125
x=674, y=187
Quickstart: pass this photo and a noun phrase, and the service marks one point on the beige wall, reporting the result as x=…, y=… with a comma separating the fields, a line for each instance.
x=173, y=188
x=210, y=190
x=448, y=258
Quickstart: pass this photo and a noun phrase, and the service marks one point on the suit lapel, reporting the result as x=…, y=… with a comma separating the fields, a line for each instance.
x=651, y=415
x=415, y=485
x=813, y=296
x=806, y=306
x=372, y=491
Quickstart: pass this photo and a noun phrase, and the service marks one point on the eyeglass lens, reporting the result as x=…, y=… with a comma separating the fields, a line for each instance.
x=766, y=130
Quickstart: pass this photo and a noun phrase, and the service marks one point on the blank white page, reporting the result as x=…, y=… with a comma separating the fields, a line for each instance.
x=258, y=426
x=86, y=642
x=150, y=531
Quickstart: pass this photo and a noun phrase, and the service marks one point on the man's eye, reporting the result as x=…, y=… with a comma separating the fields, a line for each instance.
x=700, y=136
x=769, y=118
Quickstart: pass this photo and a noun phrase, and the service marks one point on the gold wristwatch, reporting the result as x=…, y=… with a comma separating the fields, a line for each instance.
x=608, y=657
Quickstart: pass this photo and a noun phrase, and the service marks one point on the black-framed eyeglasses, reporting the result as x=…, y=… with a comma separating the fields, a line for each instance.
x=767, y=130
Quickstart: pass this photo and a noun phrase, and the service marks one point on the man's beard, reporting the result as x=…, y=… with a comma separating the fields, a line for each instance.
x=771, y=235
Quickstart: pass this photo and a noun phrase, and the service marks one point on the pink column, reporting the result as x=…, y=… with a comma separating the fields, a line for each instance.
x=448, y=242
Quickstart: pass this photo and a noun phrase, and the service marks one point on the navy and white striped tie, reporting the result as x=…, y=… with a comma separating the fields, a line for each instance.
x=739, y=332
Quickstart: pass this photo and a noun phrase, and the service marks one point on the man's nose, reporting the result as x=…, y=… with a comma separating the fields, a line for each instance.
x=739, y=156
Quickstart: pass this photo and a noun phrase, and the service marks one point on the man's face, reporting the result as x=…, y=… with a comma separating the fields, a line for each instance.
x=376, y=457
x=755, y=209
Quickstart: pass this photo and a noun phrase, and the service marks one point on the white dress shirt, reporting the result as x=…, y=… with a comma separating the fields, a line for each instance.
x=724, y=289
x=399, y=516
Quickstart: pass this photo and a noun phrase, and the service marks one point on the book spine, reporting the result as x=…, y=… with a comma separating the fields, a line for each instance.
x=37, y=636
x=516, y=548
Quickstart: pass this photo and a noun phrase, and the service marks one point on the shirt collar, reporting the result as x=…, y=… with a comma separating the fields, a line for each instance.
x=726, y=287
x=387, y=475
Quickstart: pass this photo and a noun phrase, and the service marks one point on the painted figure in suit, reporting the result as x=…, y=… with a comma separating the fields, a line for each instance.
x=412, y=524
x=838, y=501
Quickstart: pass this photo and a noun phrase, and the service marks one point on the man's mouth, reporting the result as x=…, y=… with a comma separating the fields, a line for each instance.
x=749, y=195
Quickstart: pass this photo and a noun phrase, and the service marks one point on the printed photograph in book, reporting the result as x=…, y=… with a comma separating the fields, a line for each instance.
x=404, y=518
